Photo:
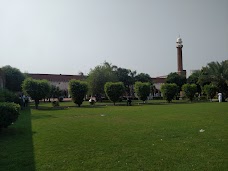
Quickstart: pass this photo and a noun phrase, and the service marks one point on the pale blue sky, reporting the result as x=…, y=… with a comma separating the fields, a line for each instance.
x=72, y=36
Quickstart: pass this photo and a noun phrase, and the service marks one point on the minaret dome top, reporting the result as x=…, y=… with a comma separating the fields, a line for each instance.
x=179, y=40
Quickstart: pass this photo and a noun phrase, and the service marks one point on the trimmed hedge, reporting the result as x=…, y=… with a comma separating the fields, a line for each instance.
x=9, y=113
x=78, y=90
x=142, y=90
x=169, y=91
x=114, y=90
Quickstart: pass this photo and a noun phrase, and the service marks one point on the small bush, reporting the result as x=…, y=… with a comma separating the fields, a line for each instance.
x=202, y=98
x=8, y=96
x=9, y=113
x=55, y=103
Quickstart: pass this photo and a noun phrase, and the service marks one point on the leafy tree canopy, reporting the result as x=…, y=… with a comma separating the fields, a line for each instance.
x=99, y=76
x=127, y=77
x=193, y=79
x=143, y=77
x=218, y=70
x=217, y=74
x=210, y=90
x=179, y=80
x=36, y=89
x=204, y=77
x=13, y=78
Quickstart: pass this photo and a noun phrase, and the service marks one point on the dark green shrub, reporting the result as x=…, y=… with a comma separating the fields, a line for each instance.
x=78, y=90
x=36, y=89
x=210, y=91
x=169, y=91
x=202, y=98
x=55, y=103
x=114, y=90
x=9, y=113
x=8, y=96
x=2, y=96
x=13, y=78
x=190, y=90
x=142, y=90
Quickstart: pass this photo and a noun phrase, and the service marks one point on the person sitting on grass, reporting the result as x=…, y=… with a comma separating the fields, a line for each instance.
x=92, y=100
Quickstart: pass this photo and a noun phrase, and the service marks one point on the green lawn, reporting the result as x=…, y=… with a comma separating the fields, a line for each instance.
x=155, y=136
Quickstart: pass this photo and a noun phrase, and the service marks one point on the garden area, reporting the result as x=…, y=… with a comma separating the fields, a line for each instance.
x=110, y=122
x=152, y=136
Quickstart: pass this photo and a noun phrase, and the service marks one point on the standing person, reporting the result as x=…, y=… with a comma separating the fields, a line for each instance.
x=23, y=100
x=129, y=101
x=220, y=97
x=26, y=101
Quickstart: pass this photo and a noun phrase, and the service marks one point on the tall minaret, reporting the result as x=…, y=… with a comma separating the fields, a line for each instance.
x=179, y=47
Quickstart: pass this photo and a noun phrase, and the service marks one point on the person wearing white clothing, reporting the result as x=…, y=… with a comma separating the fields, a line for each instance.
x=220, y=97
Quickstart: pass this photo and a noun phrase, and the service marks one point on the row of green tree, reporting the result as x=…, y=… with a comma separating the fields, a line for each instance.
x=107, y=72
x=96, y=78
x=214, y=76
x=39, y=89
x=171, y=90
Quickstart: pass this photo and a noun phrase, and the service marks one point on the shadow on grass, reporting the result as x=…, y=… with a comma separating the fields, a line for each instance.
x=17, y=145
x=175, y=102
x=49, y=108
x=88, y=106
x=40, y=116
x=66, y=107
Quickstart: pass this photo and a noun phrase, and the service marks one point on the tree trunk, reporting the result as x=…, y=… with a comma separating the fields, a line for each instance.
x=36, y=103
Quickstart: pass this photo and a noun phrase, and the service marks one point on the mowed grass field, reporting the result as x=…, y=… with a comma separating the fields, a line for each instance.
x=154, y=136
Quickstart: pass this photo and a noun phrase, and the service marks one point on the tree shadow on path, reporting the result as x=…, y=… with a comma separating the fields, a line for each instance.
x=16, y=145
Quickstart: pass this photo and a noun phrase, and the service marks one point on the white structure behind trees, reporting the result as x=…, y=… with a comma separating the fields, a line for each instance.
x=61, y=81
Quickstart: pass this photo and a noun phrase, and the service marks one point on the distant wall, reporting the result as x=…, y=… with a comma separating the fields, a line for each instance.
x=61, y=85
